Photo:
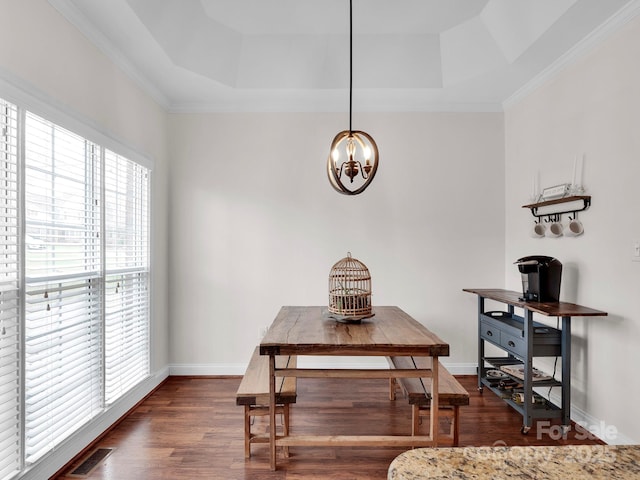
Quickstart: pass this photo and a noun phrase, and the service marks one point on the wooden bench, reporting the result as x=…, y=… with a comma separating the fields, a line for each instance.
x=253, y=394
x=451, y=395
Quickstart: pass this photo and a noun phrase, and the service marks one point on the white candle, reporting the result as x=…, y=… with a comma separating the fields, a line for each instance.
x=575, y=163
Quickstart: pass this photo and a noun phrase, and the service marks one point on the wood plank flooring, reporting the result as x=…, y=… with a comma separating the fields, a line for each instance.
x=190, y=428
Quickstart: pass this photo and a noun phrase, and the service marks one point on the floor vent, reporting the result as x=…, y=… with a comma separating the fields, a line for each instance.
x=91, y=462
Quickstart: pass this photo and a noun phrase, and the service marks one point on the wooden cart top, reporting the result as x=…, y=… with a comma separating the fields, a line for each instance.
x=303, y=330
x=550, y=309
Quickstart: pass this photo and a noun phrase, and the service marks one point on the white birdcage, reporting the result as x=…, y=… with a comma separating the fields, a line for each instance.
x=350, y=288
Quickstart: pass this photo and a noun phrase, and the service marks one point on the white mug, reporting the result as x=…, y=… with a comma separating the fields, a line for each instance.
x=555, y=230
x=575, y=228
x=538, y=230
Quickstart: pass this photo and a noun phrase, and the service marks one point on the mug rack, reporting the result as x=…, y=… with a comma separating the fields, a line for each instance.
x=555, y=214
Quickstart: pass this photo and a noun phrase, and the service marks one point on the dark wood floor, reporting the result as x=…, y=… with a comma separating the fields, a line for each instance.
x=190, y=428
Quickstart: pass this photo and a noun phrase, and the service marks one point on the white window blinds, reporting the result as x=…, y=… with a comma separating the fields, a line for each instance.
x=63, y=282
x=127, y=274
x=74, y=284
x=10, y=433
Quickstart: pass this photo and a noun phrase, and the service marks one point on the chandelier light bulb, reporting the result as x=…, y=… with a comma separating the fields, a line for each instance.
x=351, y=148
x=335, y=155
x=367, y=153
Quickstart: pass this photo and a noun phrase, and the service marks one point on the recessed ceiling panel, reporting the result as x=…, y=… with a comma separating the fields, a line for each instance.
x=397, y=61
x=297, y=62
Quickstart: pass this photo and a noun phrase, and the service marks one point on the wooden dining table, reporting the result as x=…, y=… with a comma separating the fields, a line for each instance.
x=309, y=330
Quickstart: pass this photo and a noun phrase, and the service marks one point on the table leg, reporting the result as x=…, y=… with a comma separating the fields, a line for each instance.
x=481, y=368
x=566, y=372
x=435, y=425
x=527, y=403
x=272, y=410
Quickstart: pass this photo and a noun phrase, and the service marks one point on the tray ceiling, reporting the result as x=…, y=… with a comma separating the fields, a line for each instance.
x=292, y=55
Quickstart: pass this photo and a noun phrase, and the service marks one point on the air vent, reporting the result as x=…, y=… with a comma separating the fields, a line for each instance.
x=90, y=462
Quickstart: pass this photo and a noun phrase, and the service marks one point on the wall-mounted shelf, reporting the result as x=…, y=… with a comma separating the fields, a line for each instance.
x=585, y=199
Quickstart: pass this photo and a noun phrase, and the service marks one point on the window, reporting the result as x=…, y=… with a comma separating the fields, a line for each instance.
x=74, y=283
x=127, y=275
x=10, y=391
x=63, y=324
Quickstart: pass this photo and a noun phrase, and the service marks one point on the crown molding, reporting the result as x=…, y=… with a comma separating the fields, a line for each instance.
x=314, y=106
x=579, y=51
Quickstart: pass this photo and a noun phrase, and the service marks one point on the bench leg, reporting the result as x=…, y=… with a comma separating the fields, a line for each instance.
x=251, y=411
x=454, y=417
x=285, y=426
x=247, y=431
x=392, y=388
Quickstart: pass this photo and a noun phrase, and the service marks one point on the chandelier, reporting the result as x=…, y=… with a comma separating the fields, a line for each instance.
x=353, y=158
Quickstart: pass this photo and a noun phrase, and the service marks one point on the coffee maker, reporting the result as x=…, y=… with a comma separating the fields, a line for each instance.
x=541, y=277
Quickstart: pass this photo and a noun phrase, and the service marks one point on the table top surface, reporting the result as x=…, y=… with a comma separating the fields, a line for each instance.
x=304, y=330
x=550, y=309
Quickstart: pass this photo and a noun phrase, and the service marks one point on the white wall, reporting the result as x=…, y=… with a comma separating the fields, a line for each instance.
x=256, y=225
x=592, y=108
x=49, y=66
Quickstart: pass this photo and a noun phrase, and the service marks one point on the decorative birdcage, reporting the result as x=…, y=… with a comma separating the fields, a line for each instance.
x=350, y=289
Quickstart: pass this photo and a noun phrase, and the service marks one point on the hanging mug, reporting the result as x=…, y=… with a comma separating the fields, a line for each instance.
x=538, y=230
x=575, y=227
x=555, y=230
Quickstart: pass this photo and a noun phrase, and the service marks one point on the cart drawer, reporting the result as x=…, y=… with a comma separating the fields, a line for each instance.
x=506, y=330
x=490, y=332
x=513, y=344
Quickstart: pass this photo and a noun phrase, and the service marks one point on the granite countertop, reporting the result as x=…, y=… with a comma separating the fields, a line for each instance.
x=573, y=462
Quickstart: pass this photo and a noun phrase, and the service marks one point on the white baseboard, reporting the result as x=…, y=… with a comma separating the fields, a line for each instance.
x=207, y=369
x=227, y=369
x=461, y=368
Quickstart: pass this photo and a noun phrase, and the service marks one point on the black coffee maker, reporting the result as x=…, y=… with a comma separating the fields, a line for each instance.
x=540, y=278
